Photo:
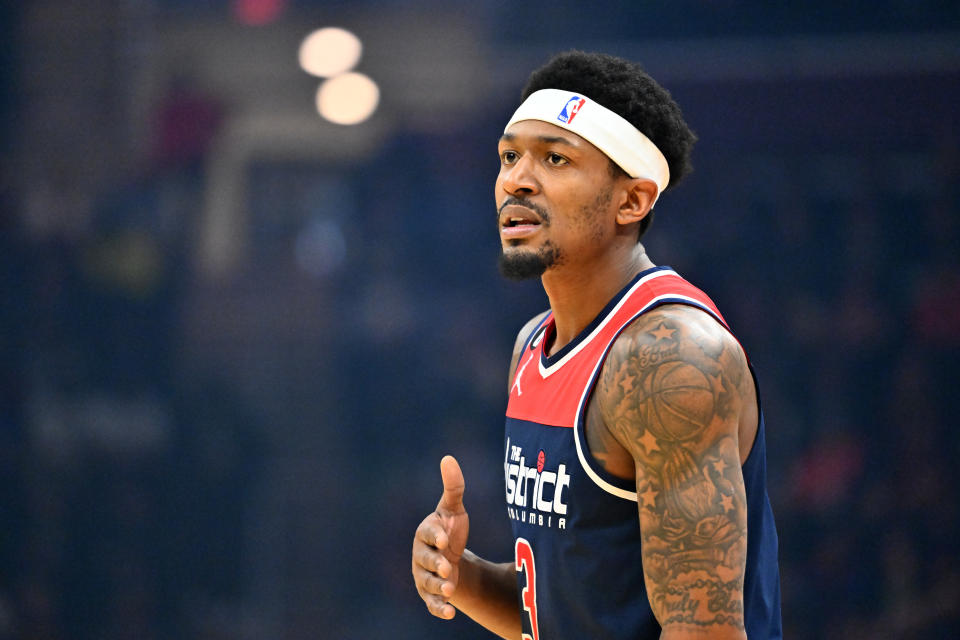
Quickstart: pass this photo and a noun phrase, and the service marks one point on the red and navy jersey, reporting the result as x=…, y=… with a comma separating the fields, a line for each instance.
x=576, y=527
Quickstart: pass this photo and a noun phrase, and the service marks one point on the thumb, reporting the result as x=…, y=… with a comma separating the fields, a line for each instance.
x=452, y=498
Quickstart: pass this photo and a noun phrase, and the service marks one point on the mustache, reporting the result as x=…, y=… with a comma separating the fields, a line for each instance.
x=523, y=202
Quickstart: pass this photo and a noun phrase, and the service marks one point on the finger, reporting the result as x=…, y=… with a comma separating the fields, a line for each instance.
x=433, y=562
x=435, y=602
x=438, y=607
x=452, y=498
x=432, y=533
x=433, y=585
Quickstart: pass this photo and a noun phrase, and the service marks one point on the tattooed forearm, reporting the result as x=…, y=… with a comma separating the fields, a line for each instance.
x=683, y=603
x=671, y=394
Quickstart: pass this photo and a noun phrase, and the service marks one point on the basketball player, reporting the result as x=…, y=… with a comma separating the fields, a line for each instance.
x=634, y=457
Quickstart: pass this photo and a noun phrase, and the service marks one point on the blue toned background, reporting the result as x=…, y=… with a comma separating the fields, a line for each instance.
x=235, y=339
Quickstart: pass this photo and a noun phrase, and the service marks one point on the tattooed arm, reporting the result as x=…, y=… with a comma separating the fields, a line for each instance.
x=674, y=391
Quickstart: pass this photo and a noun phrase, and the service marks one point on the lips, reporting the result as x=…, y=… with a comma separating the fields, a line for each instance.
x=513, y=216
x=516, y=221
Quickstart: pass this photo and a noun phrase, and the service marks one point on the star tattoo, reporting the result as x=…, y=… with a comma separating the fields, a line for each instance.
x=649, y=442
x=663, y=333
x=649, y=497
x=727, y=503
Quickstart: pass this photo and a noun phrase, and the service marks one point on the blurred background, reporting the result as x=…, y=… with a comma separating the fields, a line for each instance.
x=237, y=334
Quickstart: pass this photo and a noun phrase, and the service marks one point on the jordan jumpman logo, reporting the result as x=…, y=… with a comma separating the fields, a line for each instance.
x=516, y=381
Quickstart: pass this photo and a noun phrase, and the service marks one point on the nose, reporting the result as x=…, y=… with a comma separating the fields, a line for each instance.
x=520, y=178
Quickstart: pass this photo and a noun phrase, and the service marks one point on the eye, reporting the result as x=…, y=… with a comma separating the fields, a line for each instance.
x=509, y=157
x=556, y=159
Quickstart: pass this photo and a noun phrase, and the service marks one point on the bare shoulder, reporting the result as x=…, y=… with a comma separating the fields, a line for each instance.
x=521, y=340
x=673, y=392
x=677, y=373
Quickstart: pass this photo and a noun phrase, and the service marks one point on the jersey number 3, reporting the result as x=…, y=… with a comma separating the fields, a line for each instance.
x=523, y=552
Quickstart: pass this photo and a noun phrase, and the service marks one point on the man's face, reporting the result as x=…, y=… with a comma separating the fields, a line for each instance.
x=554, y=199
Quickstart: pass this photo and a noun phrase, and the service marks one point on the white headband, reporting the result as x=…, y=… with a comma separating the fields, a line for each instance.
x=614, y=136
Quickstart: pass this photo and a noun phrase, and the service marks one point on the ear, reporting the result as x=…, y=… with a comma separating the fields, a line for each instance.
x=638, y=199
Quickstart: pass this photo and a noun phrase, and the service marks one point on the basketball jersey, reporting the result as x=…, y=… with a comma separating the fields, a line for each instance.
x=576, y=528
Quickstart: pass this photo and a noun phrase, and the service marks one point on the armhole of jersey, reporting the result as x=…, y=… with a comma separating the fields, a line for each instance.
x=537, y=330
x=607, y=481
x=758, y=434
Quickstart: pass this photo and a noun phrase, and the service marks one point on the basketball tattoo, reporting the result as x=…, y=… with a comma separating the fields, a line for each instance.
x=671, y=393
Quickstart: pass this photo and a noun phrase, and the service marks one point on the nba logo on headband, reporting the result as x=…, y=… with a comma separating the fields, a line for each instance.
x=570, y=109
x=608, y=131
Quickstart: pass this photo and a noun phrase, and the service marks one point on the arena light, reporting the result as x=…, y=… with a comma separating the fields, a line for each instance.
x=350, y=98
x=330, y=51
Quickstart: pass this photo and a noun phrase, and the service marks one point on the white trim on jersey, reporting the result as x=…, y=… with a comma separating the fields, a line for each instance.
x=581, y=409
x=546, y=371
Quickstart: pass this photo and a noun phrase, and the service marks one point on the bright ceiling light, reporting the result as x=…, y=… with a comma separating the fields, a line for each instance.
x=330, y=51
x=350, y=98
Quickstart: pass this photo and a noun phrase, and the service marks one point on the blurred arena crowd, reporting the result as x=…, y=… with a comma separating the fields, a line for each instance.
x=247, y=456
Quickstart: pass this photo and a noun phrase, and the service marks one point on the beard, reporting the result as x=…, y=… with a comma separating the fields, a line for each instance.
x=524, y=265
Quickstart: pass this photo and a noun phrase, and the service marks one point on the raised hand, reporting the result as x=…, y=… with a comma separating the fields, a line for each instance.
x=439, y=542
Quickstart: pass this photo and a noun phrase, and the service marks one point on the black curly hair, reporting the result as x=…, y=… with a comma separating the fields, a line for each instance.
x=626, y=89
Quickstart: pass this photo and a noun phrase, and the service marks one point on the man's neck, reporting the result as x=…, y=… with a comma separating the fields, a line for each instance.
x=577, y=296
